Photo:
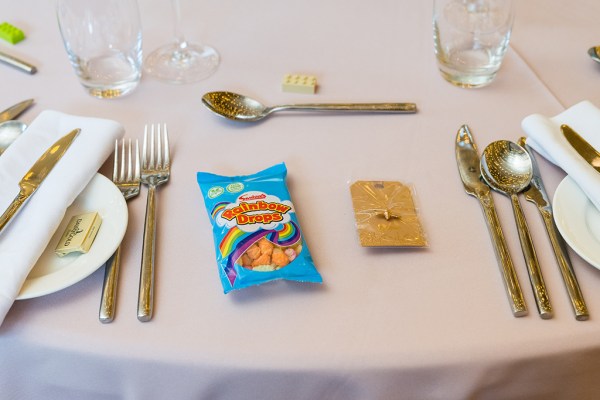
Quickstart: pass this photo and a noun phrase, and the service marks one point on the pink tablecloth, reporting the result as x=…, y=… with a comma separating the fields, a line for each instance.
x=386, y=324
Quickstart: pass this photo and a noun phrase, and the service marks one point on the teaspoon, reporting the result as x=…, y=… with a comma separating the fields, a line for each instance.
x=594, y=53
x=9, y=131
x=507, y=168
x=242, y=108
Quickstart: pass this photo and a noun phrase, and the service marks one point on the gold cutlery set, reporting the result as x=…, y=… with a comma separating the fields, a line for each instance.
x=504, y=166
x=511, y=169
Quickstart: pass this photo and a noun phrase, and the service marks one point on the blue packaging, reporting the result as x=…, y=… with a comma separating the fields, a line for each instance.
x=256, y=233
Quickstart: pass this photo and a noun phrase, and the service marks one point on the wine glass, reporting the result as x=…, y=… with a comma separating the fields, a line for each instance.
x=181, y=61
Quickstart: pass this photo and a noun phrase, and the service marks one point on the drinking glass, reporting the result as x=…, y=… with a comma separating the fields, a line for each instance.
x=471, y=38
x=181, y=61
x=103, y=39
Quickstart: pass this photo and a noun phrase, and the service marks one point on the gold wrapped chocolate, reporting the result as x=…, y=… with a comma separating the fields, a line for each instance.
x=386, y=215
x=79, y=234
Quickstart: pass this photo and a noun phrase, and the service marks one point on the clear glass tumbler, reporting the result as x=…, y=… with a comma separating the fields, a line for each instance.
x=103, y=39
x=471, y=38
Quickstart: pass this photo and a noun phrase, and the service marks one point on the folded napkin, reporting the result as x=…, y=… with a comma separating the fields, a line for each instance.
x=545, y=137
x=24, y=239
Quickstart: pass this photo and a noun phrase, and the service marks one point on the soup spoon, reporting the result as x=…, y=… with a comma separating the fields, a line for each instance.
x=242, y=108
x=507, y=168
x=9, y=131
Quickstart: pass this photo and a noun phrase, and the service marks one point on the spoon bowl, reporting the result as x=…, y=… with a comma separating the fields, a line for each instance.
x=508, y=169
x=235, y=106
x=9, y=131
x=243, y=108
x=594, y=53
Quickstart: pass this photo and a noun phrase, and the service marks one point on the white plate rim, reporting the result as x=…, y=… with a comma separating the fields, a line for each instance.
x=571, y=209
x=99, y=195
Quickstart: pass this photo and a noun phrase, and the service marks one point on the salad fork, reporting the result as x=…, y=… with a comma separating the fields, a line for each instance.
x=128, y=181
x=156, y=169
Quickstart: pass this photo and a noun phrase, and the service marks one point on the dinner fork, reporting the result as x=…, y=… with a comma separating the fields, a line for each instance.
x=156, y=169
x=128, y=181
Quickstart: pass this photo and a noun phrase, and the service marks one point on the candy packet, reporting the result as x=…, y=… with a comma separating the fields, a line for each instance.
x=256, y=233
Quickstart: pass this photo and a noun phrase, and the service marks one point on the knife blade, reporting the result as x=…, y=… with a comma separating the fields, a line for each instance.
x=16, y=110
x=536, y=194
x=32, y=180
x=467, y=159
x=581, y=146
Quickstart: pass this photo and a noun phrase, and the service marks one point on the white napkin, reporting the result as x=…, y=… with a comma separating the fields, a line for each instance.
x=545, y=137
x=24, y=239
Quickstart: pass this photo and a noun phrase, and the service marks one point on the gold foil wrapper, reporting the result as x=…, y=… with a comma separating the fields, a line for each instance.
x=79, y=234
x=386, y=215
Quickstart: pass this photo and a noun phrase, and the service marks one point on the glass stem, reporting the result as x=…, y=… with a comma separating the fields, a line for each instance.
x=178, y=34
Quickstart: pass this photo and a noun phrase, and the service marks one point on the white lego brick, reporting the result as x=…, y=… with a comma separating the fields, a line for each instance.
x=299, y=83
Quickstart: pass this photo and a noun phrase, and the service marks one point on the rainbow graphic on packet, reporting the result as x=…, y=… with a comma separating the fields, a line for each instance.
x=257, y=236
x=219, y=207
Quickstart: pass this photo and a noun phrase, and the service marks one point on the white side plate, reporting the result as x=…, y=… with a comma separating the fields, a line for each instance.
x=578, y=221
x=52, y=273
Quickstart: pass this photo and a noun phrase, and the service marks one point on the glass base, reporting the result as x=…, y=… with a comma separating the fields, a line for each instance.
x=182, y=63
x=103, y=92
x=471, y=79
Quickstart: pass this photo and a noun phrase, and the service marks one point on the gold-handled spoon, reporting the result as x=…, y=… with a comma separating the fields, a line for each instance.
x=507, y=168
x=242, y=108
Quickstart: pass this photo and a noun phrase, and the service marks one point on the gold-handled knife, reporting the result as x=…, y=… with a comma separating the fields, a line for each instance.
x=467, y=160
x=581, y=146
x=16, y=110
x=36, y=175
x=536, y=194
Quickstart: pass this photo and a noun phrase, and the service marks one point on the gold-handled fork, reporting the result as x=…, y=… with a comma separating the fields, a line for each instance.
x=156, y=169
x=126, y=176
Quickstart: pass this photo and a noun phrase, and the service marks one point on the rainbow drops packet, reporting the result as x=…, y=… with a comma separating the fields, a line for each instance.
x=256, y=232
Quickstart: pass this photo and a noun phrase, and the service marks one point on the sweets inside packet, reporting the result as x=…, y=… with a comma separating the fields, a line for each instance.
x=256, y=233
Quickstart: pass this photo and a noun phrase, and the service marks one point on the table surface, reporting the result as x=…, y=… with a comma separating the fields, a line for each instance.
x=431, y=323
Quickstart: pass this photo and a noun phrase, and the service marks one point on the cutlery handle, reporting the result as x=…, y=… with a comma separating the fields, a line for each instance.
x=566, y=269
x=13, y=208
x=538, y=286
x=109, y=288
x=19, y=64
x=371, y=107
x=146, y=291
x=509, y=276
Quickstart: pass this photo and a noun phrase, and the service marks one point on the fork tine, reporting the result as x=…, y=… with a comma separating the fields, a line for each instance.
x=145, y=149
x=167, y=156
x=129, y=176
x=158, y=147
x=116, y=161
x=151, y=162
x=137, y=161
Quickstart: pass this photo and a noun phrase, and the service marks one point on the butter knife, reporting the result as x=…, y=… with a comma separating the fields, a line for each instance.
x=16, y=110
x=536, y=194
x=36, y=175
x=467, y=159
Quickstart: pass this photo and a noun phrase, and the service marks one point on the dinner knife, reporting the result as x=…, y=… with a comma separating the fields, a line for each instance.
x=581, y=146
x=467, y=159
x=16, y=110
x=536, y=194
x=36, y=175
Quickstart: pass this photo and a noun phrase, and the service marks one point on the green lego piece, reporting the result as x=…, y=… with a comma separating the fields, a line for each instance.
x=11, y=33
